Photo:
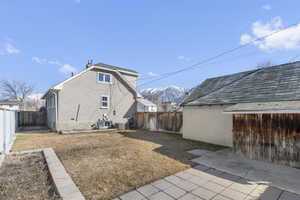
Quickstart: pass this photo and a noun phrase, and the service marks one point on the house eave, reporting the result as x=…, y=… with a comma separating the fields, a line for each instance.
x=112, y=70
x=263, y=112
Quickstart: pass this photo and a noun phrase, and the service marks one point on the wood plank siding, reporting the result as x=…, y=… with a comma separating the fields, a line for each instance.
x=32, y=118
x=160, y=121
x=268, y=137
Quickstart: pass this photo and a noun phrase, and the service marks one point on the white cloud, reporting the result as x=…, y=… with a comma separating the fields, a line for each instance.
x=267, y=7
x=54, y=62
x=77, y=1
x=39, y=60
x=67, y=69
x=152, y=74
x=64, y=68
x=10, y=49
x=285, y=40
x=184, y=58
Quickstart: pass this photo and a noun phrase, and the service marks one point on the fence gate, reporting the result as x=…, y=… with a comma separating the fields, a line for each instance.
x=32, y=118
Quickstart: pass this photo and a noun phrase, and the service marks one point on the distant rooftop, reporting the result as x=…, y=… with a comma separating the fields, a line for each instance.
x=9, y=102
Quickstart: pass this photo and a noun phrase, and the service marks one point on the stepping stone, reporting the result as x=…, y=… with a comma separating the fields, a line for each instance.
x=189, y=196
x=162, y=184
x=133, y=195
x=160, y=196
x=148, y=190
x=175, y=192
x=204, y=193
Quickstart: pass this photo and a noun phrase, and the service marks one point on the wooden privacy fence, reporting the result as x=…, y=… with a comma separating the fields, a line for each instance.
x=159, y=121
x=32, y=118
x=268, y=137
x=7, y=130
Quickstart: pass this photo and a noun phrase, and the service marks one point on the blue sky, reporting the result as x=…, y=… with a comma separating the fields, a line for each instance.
x=43, y=41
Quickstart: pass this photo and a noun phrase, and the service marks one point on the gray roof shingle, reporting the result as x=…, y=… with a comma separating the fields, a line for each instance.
x=114, y=67
x=265, y=107
x=277, y=83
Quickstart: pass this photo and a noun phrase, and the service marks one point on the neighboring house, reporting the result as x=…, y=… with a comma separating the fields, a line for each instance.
x=10, y=104
x=144, y=105
x=167, y=107
x=100, y=96
x=257, y=112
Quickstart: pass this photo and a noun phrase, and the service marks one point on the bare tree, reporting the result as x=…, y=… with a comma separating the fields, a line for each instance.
x=264, y=64
x=15, y=90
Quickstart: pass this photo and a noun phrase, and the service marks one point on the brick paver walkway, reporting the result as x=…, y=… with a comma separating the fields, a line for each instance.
x=204, y=183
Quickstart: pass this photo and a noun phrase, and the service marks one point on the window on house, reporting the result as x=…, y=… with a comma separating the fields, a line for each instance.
x=104, y=102
x=104, y=77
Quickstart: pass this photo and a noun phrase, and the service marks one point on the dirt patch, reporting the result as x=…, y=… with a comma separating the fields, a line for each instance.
x=26, y=177
x=105, y=165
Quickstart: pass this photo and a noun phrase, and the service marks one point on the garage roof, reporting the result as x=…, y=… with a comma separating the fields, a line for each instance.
x=277, y=83
x=265, y=107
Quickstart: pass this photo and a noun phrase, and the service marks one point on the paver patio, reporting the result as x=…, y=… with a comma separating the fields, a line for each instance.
x=279, y=176
x=206, y=183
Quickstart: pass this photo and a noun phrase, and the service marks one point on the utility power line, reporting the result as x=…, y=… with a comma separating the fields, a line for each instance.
x=196, y=65
x=294, y=58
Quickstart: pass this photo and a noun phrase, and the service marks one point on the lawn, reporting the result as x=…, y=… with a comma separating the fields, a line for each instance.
x=105, y=165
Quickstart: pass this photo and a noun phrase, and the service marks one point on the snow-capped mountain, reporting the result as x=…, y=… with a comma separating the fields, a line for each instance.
x=171, y=93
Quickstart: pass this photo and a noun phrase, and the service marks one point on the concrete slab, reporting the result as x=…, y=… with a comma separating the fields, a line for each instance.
x=198, y=152
x=280, y=176
x=206, y=182
x=289, y=196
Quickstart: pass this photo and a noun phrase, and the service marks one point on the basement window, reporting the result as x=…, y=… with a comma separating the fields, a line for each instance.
x=104, y=101
x=104, y=77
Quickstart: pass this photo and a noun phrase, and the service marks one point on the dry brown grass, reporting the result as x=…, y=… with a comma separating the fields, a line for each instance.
x=105, y=165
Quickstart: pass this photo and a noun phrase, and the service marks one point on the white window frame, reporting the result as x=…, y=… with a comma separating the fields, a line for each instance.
x=101, y=102
x=98, y=75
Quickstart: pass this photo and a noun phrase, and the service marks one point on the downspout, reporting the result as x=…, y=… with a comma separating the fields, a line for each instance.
x=56, y=108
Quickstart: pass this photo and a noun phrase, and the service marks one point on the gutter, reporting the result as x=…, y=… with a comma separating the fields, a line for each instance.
x=263, y=112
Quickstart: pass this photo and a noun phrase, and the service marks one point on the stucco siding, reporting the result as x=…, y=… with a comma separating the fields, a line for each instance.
x=131, y=79
x=208, y=124
x=80, y=102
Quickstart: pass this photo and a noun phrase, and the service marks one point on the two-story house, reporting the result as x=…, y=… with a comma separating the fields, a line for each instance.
x=98, y=97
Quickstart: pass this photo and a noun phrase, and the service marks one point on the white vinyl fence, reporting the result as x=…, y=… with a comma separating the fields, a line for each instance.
x=7, y=130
